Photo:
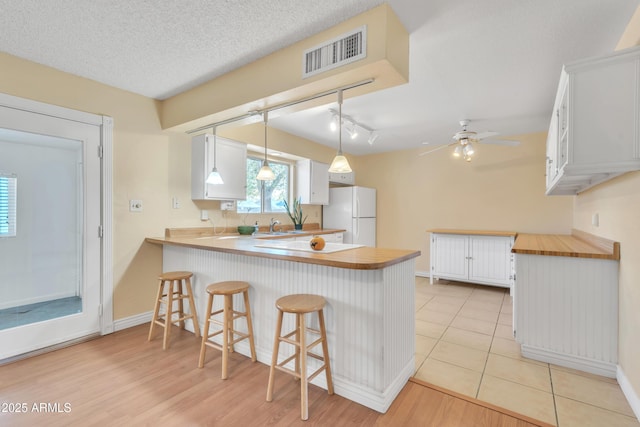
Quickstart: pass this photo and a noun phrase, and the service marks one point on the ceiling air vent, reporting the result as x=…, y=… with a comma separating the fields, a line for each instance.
x=335, y=53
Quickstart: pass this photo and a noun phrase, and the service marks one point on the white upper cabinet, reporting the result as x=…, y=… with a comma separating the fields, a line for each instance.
x=231, y=162
x=312, y=182
x=594, y=133
x=342, y=178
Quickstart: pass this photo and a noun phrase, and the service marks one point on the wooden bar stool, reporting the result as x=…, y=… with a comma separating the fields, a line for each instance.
x=229, y=333
x=300, y=305
x=178, y=289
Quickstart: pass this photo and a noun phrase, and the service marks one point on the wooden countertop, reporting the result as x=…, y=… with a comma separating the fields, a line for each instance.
x=364, y=258
x=578, y=245
x=472, y=232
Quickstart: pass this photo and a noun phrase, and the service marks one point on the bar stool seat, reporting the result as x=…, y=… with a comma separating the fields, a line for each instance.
x=229, y=333
x=178, y=284
x=301, y=304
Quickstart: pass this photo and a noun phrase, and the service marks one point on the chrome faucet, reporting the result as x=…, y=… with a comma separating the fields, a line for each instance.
x=273, y=224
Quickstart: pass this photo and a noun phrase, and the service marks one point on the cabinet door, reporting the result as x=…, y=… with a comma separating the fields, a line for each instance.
x=231, y=161
x=449, y=256
x=312, y=182
x=490, y=260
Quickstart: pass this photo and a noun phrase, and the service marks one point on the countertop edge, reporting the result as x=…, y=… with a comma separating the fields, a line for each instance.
x=542, y=244
x=472, y=232
x=294, y=256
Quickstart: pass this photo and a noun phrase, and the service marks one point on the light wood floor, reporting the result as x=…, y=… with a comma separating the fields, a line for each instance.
x=121, y=379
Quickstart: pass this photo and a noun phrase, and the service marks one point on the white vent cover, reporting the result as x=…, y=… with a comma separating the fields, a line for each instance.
x=336, y=52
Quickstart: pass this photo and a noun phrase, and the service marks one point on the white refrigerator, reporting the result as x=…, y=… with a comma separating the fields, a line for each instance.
x=352, y=209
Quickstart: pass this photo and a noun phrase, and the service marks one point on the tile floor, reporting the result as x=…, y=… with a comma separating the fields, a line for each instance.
x=464, y=343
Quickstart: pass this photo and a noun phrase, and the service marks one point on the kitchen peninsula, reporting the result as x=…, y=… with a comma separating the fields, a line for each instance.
x=370, y=303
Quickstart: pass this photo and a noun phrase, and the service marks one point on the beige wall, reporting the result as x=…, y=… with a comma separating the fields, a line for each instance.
x=617, y=203
x=149, y=164
x=501, y=189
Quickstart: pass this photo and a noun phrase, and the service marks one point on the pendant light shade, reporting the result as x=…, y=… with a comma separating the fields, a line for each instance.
x=214, y=176
x=340, y=163
x=265, y=174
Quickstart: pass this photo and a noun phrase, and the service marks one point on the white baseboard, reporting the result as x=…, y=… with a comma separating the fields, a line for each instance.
x=422, y=273
x=131, y=321
x=570, y=361
x=632, y=397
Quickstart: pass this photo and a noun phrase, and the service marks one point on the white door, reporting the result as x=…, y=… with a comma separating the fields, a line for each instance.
x=54, y=257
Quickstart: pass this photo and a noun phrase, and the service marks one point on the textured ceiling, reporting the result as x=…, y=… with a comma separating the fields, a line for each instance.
x=496, y=62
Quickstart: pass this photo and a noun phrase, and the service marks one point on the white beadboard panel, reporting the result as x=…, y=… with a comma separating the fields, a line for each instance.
x=449, y=256
x=369, y=315
x=568, y=308
x=490, y=259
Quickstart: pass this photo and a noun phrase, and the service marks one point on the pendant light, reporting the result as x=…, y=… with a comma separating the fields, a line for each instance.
x=214, y=176
x=265, y=174
x=340, y=163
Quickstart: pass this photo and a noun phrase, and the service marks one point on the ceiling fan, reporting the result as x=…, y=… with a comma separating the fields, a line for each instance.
x=464, y=139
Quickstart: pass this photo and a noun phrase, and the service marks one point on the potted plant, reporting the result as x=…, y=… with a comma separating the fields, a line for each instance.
x=295, y=213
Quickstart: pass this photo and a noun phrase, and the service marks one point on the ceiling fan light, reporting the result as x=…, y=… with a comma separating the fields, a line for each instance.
x=457, y=152
x=468, y=150
x=467, y=158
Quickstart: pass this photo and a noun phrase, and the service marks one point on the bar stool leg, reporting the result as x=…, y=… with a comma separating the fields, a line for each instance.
x=325, y=352
x=205, y=333
x=228, y=299
x=249, y=325
x=304, y=408
x=180, y=294
x=168, y=315
x=225, y=336
x=192, y=308
x=297, y=348
x=274, y=358
x=156, y=310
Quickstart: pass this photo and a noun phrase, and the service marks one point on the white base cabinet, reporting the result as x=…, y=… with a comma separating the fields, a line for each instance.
x=566, y=311
x=484, y=259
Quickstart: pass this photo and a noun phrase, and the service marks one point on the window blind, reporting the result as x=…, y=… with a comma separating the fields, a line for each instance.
x=8, y=184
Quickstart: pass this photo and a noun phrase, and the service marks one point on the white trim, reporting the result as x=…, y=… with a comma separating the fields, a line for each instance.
x=107, y=325
x=49, y=110
x=131, y=321
x=106, y=125
x=575, y=362
x=422, y=274
x=627, y=389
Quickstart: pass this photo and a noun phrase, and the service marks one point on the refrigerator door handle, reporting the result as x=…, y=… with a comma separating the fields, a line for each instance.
x=357, y=230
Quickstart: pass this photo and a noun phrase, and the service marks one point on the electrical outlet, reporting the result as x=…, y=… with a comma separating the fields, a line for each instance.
x=175, y=202
x=135, y=205
x=227, y=205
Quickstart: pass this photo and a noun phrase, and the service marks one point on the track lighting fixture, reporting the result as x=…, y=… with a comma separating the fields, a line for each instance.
x=351, y=126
